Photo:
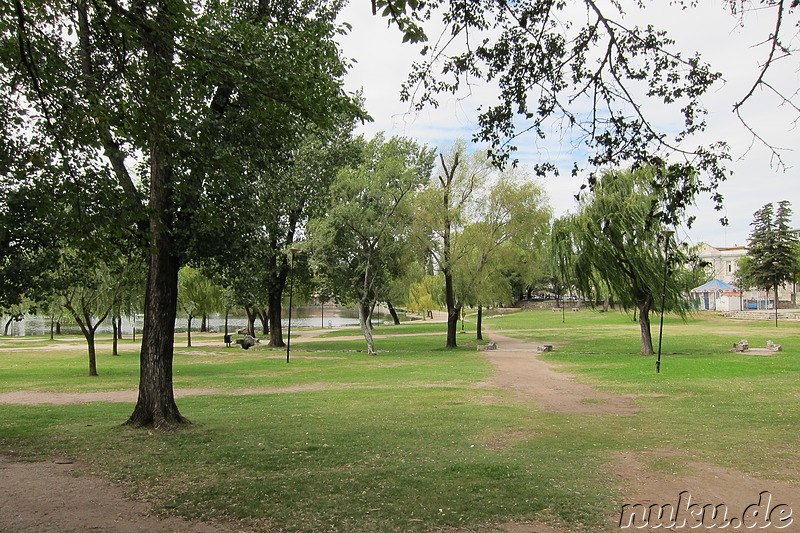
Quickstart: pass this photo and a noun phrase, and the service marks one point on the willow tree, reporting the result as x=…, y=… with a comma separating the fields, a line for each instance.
x=613, y=245
x=181, y=104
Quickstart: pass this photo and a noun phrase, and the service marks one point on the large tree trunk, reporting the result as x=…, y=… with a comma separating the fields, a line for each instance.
x=364, y=317
x=156, y=406
x=274, y=312
x=393, y=312
x=644, y=327
x=479, y=335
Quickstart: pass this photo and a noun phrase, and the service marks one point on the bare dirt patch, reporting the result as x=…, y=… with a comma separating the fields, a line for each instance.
x=62, y=497
x=519, y=369
x=704, y=483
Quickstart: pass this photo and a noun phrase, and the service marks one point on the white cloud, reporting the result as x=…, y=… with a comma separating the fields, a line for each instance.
x=383, y=62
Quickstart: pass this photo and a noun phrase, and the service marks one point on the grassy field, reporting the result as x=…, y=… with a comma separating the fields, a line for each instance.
x=339, y=441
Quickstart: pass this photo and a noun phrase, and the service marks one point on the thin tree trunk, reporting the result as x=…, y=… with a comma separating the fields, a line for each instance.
x=264, y=318
x=364, y=316
x=52, y=326
x=453, y=310
x=252, y=313
x=92, y=354
x=479, y=335
x=204, y=324
x=393, y=312
x=644, y=327
x=8, y=325
x=189, y=331
x=115, y=335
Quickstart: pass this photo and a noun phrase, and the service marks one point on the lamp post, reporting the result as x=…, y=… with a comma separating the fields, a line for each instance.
x=776, y=264
x=667, y=235
x=293, y=250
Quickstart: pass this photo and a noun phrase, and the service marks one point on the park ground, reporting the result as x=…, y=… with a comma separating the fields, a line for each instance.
x=415, y=439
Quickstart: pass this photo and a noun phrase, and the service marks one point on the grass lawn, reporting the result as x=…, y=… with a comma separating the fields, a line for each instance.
x=405, y=441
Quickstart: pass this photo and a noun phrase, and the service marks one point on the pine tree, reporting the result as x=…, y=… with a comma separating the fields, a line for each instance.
x=772, y=248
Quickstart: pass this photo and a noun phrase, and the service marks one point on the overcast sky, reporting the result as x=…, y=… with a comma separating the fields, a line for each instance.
x=383, y=63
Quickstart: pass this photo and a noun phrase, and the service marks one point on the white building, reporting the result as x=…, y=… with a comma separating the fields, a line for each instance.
x=724, y=261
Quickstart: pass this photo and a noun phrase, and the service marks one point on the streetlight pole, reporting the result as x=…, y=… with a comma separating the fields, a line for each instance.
x=776, y=264
x=667, y=235
x=291, y=289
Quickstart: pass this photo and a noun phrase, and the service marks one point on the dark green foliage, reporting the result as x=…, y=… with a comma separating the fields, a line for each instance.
x=772, y=248
x=171, y=112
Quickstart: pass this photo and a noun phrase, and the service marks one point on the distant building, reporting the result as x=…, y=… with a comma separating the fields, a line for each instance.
x=724, y=261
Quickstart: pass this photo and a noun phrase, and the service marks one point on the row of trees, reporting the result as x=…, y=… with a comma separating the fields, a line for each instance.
x=170, y=132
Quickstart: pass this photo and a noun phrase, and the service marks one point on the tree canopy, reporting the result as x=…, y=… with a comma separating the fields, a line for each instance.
x=613, y=246
x=179, y=108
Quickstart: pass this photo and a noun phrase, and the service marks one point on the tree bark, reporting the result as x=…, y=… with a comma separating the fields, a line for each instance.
x=189, y=331
x=644, y=327
x=115, y=326
x=479, y=334
x=264, y=318
x=274, y=312
x=453, y=310
x=156, y=406
x=364, y=317
x=393, y=312
x=92, y=354
x=251, y=313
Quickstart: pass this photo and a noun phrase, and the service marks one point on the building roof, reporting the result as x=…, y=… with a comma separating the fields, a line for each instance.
x=716, y=285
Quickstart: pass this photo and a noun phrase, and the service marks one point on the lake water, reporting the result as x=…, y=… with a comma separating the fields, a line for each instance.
x=304, y=316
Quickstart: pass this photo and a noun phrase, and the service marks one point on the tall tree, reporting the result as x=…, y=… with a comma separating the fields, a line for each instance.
x=184, y=100
x=360, y=243
x=467, y=215
x=442, y=218
x=613, y=245
x=772, y=249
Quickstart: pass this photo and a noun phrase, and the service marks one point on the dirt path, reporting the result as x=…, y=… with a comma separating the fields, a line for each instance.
x=518, y=368
x=59, y=496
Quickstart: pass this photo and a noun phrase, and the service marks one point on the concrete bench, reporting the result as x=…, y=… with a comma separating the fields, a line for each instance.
x=774, y=347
